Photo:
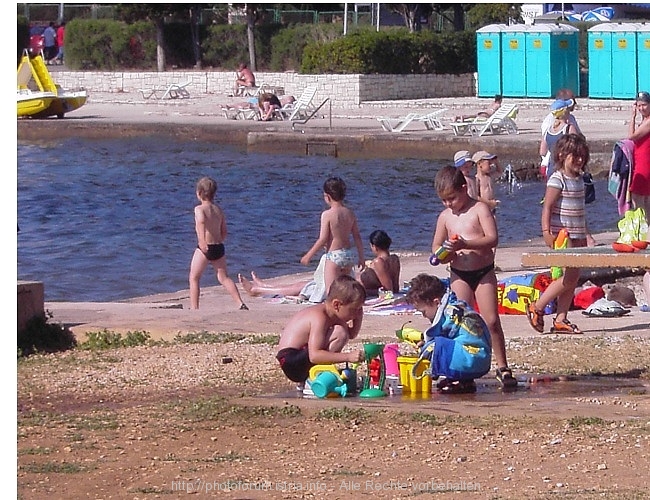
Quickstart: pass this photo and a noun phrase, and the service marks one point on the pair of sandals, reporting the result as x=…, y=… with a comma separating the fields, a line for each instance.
x=449, y=386
x=536, y=320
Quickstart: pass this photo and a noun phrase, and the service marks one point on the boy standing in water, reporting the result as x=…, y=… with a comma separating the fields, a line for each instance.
x=468, y=230
x=211, y=231
x=485, y=183
x=317, y=334
x=337, y=225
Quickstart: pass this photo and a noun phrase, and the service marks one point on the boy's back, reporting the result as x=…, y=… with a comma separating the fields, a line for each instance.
x=213, y=219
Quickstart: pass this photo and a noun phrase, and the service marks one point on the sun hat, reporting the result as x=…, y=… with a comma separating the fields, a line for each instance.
x=482, y=155
x=643, y=96
x=559, y=104
x=461, y=157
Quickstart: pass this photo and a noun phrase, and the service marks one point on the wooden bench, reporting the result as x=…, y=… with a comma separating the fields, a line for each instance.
x=588, y=257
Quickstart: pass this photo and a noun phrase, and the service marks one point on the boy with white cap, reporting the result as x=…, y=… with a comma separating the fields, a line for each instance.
x=486, y=166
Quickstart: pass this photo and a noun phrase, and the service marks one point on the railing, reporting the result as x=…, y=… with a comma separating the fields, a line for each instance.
x=313, y=113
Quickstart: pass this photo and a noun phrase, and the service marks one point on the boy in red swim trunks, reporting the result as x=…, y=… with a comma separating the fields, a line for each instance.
x=317, y=334
x=211, y=231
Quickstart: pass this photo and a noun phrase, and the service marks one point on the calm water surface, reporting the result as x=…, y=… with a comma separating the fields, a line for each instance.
x=104, y=220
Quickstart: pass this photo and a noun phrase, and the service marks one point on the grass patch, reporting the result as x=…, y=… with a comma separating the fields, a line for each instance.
x=53, y=468
x=106, y=339
x=425, y=418
x=344, y=413
x=220, y=408
x=231, y=456
x=578, y=422
x=205, y=337
x=95, y=422
x=35, y=451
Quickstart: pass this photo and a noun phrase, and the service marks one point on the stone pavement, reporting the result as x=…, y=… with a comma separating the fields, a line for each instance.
x=166, y=315
x=340, y=132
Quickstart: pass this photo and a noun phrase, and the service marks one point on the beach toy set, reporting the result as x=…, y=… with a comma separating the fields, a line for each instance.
x=382, y=375
x=327, y=381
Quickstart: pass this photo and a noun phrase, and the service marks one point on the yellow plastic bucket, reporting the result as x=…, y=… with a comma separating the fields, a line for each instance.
x=409, y=383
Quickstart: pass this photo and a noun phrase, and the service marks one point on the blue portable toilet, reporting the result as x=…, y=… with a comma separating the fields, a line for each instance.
x=624, y=61
x=488, y=59
x=643, y=57
x=599, y=54
x=552, y=60
x=513, y=60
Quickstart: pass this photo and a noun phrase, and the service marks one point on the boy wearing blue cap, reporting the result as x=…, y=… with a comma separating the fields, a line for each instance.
x=463, y=162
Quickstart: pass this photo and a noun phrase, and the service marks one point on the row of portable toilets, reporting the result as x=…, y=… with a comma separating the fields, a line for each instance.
x=538, y=60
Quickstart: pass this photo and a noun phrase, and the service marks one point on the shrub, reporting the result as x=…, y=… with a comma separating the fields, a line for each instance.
x=110, y=45
x=288, y=44
x=393, y=52
x=41, y=336
x=227, y=45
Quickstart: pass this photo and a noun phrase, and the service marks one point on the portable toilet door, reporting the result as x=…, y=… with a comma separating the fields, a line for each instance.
x=599, y=55
x=551, y=60
x=624, y=63
x=643, y=57
x=513, y=60
x=488, y=60
x=538, y=56
x=565, y=59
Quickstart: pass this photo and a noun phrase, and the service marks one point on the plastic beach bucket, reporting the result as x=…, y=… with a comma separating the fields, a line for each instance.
x=409, y=383
x=391, y=352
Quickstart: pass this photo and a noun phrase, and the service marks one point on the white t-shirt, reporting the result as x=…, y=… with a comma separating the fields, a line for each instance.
x=546, y=124
x=548, y=121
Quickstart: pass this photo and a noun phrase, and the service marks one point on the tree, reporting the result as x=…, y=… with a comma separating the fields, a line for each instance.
x=252, y=11
x=195, y=11
x=156, y=13
x=493, y=13
x=457, y=17
x=412, y=13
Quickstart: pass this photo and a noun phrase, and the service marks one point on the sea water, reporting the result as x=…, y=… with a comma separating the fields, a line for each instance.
x=104, y=220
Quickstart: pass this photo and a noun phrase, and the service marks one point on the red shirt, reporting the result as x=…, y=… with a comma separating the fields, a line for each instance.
x=60, y=35
x=641, y=176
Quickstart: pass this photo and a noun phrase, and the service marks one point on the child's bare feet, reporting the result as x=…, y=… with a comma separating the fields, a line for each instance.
x=256, y=280
x=247, y=286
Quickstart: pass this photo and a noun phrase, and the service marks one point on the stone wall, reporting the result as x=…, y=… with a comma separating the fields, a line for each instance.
x=345, y=91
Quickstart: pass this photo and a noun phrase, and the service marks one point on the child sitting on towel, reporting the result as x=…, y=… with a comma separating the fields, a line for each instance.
x=458, y=344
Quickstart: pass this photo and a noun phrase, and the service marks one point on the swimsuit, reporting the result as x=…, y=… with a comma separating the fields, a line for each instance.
x=473, y=278
x=215, y=251
x=343, y=257
x=295, y=363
